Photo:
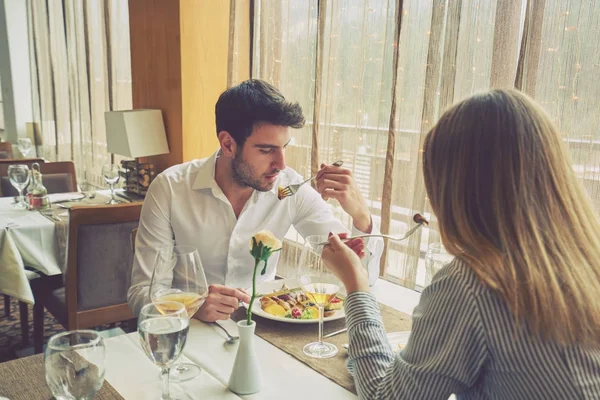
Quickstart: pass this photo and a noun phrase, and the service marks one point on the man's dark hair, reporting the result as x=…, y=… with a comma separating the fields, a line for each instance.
x=242, y=107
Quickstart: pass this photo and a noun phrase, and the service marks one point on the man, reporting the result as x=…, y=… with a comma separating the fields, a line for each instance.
x=218, y=203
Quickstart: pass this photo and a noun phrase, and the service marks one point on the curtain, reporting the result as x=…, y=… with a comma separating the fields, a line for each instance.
x=374, y=76
x=81, y=68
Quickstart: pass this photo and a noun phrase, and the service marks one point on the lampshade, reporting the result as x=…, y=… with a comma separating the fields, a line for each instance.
x=135, y=133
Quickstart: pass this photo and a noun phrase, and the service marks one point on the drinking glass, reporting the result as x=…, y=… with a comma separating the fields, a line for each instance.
x=435, y=258
x=163, y=327
x=74, y=364
x=320, y=286
x=111, y=174
x=24, y=146
x=179, y=276
x=18, y=174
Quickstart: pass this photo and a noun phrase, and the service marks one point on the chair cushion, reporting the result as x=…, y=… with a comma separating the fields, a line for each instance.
x=104, y=260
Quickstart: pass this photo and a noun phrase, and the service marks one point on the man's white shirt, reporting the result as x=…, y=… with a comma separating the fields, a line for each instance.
x=185, y=206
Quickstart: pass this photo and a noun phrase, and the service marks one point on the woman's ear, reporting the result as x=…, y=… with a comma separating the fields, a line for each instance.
x=228, y=144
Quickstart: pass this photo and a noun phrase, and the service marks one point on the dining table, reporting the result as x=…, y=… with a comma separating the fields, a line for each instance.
x=34, y=242
x=131, y=375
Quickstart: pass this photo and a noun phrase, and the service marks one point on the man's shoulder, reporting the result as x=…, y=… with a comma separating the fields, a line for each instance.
x=182, y=171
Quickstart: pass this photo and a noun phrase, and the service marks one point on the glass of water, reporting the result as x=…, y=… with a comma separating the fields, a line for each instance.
x=435, y=258
x=74, y=364
x=18, y=175
x=163, y=327
x=24, y=146
x=111, y=174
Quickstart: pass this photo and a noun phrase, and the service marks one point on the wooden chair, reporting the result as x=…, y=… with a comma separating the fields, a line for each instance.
x=26, y=161
x=6, y=150
x=98, y=273
x=58, y=177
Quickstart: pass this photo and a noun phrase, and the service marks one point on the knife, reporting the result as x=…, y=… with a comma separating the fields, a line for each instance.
x=335, y=333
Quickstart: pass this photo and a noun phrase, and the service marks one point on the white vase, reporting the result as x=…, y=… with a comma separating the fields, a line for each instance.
x=245, y=376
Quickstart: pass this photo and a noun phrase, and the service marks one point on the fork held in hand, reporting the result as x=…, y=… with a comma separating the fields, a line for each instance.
x=418, y=218
x=291, y=190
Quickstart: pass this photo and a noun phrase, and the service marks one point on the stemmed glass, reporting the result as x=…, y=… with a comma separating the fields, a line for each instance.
x=24, y=146
x=163, y=327
x=18, y=174
x=321, y=286
x=178, y=276
x=111, y=174
x=74, y=364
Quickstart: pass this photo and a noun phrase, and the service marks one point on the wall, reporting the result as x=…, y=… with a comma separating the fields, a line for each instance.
x=179, y=55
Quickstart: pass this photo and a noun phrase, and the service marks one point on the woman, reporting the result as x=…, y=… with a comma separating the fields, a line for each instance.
x=516, y=315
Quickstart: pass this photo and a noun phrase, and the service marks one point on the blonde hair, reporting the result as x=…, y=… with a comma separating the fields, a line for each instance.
x=509, y=206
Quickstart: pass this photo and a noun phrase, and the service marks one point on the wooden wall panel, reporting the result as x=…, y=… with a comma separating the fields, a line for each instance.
x=156, y=69
x=204, y=51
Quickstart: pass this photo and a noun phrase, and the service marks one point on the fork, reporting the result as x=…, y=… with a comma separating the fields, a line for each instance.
x=394, y=238
x=292, y=189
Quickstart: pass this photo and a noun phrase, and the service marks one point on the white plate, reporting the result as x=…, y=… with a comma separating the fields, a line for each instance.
x=272, y=286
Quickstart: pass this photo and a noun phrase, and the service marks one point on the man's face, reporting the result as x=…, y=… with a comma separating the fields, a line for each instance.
x=258, y=163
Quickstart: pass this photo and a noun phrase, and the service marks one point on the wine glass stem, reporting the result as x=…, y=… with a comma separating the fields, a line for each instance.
x=164, y=374
x=321, y=311
x=21, y=199
x=112, y=191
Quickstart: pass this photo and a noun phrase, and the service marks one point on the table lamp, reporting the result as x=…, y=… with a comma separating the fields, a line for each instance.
x=136, y=133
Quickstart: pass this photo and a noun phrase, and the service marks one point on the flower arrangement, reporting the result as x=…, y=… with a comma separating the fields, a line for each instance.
x=262, y=245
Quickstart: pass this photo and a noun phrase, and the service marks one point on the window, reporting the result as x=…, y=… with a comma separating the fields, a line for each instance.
x=337, y=59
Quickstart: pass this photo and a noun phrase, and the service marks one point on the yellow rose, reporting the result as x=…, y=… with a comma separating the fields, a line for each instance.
x=267, y=239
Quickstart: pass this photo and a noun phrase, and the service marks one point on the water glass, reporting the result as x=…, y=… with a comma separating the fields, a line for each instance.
x=435, y=258
x=111, y=174
x=163, y=327
x=24, y=146
x=18, y=175
x=74, y=364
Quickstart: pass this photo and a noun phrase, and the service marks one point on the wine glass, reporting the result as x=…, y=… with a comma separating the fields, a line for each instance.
x=163, y=327
x=74, y=364
x=18, y=175
x=111, y=174
x=179, y=276
x=435, y=258
x=24, y=146
x=320, y=286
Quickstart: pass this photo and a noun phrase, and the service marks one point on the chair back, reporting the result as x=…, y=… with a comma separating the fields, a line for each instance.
x=99, y=264
x=58, y=177
x=6, y=150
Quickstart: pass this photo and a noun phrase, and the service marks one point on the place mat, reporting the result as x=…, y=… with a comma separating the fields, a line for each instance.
x=25, y=379
x=291, y=338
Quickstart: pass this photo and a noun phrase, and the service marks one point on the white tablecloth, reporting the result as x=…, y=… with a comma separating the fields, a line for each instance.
x=26, y=238
x=134, y=376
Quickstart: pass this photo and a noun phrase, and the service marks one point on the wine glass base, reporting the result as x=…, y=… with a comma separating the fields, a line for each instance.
x=184, y=372
x=19, y=206
x=320, y=350
x=113, y=201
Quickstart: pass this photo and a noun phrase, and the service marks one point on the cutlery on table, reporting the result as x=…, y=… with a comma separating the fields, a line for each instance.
x=49, y=214
x=230, y=338
x=418, y=218
x=335, y=333
x=292, y=189
x=127, y=199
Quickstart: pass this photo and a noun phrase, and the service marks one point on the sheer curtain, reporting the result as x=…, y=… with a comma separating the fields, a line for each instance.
x=374, y=76
x=80, y=69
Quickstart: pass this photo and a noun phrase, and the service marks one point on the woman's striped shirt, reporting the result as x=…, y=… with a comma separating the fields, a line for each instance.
x=466, y=341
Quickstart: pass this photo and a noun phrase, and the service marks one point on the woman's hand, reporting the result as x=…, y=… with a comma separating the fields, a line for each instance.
x=343, y=259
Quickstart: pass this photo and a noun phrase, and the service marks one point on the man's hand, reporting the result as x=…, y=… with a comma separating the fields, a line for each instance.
x=343, y=259
x=221, y=302
x=338, y=183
